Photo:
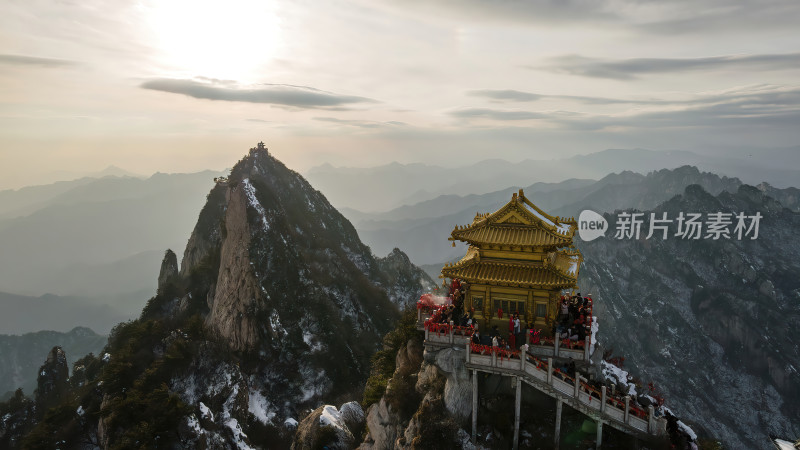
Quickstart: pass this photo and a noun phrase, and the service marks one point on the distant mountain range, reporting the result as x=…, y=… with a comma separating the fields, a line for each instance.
x=21, y=314
x=421, y=230
x=394, y=185
x=99, y=239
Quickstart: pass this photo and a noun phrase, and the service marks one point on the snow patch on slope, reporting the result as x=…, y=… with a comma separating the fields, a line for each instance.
x=260, y=407
x=250, y=192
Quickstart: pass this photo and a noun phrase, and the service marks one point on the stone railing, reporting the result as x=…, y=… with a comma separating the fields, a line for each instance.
x=559, y=348
x=446, y=334
x=423, y=314
x=541, y=374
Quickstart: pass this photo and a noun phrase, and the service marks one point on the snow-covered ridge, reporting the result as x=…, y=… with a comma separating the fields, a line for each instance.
x=250, y=192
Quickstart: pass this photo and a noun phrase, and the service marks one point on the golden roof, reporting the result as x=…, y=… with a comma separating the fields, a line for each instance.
x=566, y=261
x=518, y=223
x=473, y=269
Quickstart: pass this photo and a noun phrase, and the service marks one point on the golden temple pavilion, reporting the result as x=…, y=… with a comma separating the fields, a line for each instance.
x=519, y=259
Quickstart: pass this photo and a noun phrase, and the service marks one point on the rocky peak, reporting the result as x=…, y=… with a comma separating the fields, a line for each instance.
x=237, y=296
x=169, y=270
x=285, y=252
x=278, y=308
x=289, y=279
x=53, y=379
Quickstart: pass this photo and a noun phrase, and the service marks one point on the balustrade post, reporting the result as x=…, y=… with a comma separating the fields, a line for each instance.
x=651, y=420
x=557, y=344
x=517, y=403
x=450, y=337
x=523, y=357
x=557, y=436
x=577, y=386
x=550, y=371
x=602, y=399
x=599, y=434
x=474, y=406
x=494, y=357
x=426, y=333
x=586, y=343
x=527, y=337
x=419, y=315
x=469, y=350
x=627, y=408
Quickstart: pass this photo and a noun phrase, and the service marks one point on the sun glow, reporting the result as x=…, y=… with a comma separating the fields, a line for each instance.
x=226, y=39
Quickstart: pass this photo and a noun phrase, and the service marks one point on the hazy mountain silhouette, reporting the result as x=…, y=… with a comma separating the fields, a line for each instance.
x=422, y=229
x=98, y=239
x=394, y=185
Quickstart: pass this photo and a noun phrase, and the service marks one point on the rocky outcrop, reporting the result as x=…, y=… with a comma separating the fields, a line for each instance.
x=329, y=427
x=384, y=427
x=443, y=388
x=169, y=270
x=237, y=295
x=53, y=380
x=458, y=385
x=206, y=237
x=21, y=356
x=403, y=279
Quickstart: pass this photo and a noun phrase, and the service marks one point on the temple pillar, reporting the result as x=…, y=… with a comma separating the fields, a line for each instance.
x=599, y=434
x=627, y=407
x=517, y=405
x=586, y=344
x=529, y=309
x=603, y=400
x=557, y=437
x=474, y=406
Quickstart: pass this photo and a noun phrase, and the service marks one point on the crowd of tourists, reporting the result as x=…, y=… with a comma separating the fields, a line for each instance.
x=574, y=319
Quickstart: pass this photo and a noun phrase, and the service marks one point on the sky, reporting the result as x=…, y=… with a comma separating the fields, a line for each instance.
x=186, y=85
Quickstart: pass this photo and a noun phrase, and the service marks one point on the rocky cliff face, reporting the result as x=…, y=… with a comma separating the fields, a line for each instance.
x=294, y=288
x=168, y=272
x=711, y=322
x=53, y=380
x=277, y=308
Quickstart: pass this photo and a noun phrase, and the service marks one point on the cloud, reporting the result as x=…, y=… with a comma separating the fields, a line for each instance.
x=361, y=123
x=496, y=114
x=22, y=60
x=627, y=69
x=649, y=17
x=548, y=12
x=302, y=97
x=507, y=95
x=736, y=16
x=761, y=106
